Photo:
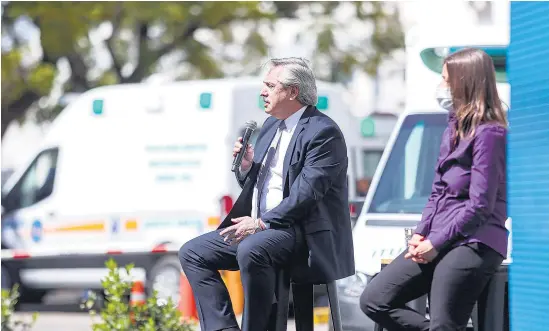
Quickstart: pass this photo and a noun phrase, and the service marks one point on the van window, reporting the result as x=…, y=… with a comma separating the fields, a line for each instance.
x=406, y=180
x=370, y=160
x=36, y=183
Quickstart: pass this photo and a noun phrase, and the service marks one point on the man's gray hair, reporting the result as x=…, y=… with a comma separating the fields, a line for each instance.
x=297, y=73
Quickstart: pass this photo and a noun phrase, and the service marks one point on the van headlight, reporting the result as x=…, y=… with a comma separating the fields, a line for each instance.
x=354, y=285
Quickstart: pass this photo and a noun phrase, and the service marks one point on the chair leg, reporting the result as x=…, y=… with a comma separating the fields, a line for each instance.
x=378, y=327
x=303, y=306
x=419, y=305
x=491, y=306
x=474, y=318
x=334, y=306
x=279, y=315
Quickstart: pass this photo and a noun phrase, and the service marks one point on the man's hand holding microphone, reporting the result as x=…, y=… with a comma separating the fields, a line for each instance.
x=246, y=225
x=248, y=155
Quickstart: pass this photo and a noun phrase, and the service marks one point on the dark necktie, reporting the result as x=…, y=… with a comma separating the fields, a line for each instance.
x=265, y=168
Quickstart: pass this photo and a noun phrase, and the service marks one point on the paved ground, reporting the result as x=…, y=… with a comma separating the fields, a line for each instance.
x=61, y=312
x=55, y=321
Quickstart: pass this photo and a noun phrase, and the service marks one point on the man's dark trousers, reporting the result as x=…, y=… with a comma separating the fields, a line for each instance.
x=258, y=257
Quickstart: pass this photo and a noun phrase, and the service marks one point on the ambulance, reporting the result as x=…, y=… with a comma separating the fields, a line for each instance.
x=403, y=180
x=134, y=171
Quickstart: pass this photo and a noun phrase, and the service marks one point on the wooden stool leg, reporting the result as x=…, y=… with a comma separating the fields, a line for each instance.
x=303, y=306
x=334, y=306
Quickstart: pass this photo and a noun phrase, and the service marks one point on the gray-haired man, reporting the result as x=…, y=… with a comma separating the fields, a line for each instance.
x=292, y=211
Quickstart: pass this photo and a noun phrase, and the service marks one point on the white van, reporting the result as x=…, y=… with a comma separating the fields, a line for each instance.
x=132, y=168
x=403, y=180
x=375, y=130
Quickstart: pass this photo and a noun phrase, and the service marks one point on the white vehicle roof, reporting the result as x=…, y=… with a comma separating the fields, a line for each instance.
x=128, y=105
x=152, y=94
x=426, y=48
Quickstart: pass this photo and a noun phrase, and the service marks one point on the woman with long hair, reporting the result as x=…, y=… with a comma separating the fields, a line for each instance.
x=461, y=239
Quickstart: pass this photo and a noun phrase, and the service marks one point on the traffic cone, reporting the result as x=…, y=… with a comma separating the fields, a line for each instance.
x=187, y=304
x=137, y=295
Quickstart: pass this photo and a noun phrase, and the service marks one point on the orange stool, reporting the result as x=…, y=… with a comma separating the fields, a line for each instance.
x=234, y=286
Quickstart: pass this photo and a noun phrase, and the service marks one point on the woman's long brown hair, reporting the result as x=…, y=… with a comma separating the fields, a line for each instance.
x=472, y=82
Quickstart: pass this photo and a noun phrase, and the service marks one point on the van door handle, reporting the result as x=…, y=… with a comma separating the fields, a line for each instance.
x=51, y=214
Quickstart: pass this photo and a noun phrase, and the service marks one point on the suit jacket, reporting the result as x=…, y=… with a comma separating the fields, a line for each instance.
x=315, y=196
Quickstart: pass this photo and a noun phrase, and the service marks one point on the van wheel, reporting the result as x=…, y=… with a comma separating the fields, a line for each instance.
x=32, y=295
x=25, y=295
x=164, y=278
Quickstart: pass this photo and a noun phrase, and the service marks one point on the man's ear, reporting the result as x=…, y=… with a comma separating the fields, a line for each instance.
x=294, y=92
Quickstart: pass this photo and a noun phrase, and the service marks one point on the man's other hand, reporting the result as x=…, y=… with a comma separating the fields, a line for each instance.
x=243, y=227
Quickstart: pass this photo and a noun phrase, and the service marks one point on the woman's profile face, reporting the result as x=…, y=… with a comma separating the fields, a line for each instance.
x=444, y=82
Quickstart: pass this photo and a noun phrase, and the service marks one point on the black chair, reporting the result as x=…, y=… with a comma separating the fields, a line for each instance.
x=491, y=312
x=302, y=294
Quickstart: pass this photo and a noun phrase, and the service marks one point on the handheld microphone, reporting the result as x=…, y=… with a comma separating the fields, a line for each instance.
x=250, y=127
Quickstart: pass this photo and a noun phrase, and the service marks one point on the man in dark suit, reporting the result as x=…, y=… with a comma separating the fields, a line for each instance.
x=294, y=203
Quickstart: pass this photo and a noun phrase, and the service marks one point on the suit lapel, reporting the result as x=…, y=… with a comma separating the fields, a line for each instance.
x=301, y=125
x=265, y=143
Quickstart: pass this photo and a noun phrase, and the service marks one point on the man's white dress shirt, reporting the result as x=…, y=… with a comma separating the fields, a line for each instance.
x=272, y=191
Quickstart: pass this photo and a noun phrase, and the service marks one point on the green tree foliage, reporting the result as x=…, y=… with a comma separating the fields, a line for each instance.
x=118, y=314
x=9, y=321
x=142, y=38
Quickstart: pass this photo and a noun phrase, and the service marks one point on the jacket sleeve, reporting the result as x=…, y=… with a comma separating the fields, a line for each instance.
x=487, y=172
x=325, y=159
x=422, y=227
x=241, y=176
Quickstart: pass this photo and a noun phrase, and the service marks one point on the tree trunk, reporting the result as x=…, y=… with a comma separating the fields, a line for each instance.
x=17, y=108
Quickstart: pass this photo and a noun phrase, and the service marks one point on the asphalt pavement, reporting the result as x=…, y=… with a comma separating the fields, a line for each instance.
x=61, y=311
x=55, y=321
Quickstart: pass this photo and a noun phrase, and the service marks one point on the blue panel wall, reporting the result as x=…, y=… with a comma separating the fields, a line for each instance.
x=528, y=165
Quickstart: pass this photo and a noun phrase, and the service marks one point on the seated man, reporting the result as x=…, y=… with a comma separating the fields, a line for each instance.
x=294, y=199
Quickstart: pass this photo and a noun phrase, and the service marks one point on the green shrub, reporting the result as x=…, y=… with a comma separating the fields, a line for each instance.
x=9, y=301
x=117, y=314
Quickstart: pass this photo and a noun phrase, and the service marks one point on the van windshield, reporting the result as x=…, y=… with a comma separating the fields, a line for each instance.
x=406, y=180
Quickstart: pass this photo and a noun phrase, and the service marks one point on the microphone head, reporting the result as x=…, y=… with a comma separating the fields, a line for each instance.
x=251, y=125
